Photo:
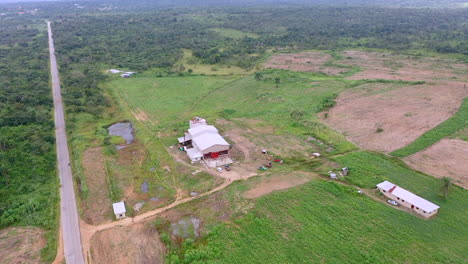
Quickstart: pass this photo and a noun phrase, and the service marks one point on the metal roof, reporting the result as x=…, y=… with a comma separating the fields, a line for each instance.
x=194, y=153
x=408, y=196
x=202, y=129
x=119, y=207
x=207, y=140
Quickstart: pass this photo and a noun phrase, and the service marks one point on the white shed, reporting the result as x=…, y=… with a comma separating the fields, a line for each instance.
x=119, y=210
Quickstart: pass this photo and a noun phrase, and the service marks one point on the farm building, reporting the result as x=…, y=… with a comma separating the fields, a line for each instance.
x=203, y=142
x=119, y=210
x=406, y=198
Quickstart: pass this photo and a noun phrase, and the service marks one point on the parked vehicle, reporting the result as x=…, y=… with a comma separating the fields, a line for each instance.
x=219, y=169
x=392, y=202
x=227, y=167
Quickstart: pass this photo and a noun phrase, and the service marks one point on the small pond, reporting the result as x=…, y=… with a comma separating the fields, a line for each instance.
x=124, y=130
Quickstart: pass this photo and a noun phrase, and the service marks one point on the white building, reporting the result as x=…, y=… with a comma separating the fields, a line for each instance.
x=406, y=198
x=119, y=210
x=203, y=142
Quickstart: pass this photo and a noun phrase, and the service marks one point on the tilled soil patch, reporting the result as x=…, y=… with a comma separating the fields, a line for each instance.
x=447, y=158
x=389, y=120
x=138, y=243
x=97, y=206
x=21, y=245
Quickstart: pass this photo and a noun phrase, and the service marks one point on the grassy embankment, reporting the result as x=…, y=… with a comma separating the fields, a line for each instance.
x=447, y=128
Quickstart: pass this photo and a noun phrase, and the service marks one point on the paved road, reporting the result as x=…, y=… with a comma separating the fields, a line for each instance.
x=68, y=213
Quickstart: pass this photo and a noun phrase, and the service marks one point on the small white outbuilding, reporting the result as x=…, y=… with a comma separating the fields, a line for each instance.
x=119, y=210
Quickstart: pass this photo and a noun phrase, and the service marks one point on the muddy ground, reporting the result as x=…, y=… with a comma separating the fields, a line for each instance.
x=385, y=118
x=138, y=243
x=447, y=158
x=97, y=206
x=21, y=245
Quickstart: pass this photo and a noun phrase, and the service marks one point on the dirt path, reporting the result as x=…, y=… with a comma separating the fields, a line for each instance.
x=88, y=231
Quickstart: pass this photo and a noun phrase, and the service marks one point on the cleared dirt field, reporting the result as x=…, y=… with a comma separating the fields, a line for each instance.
x=377, y=65
x=138, y=243
x=448, y=157
x=278, y=182
x=97, y=207
x=385, y=118
x=21, y=245
x=303, y=62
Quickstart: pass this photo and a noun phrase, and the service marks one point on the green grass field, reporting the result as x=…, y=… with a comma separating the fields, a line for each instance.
x=450, y=126
x=290, y=108
x=317, y=222
x=324, y=221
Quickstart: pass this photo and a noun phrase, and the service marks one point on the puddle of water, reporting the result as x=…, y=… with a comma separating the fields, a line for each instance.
x=124, y=130
x=144, y=187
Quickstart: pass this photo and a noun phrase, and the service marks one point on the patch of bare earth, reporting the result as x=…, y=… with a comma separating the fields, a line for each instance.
x=141, y=115
x=378, y=65
x=278, y=182
x=97, y=206
x=387, y=120
x=447, y=158
x=138, y=243
x=303, y=62
x=21, y=245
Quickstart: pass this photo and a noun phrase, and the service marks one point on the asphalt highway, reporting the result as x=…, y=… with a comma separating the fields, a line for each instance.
x=68, y=213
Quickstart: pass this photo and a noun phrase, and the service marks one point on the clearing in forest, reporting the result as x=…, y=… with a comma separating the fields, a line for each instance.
x=447, y=158
x=381, y=65
x=311, y=61
x=138, y=243
x=21, y=244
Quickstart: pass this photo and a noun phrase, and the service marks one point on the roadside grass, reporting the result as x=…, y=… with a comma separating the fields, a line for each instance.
x=327, y=221
x=450, y=126
x=234, y=33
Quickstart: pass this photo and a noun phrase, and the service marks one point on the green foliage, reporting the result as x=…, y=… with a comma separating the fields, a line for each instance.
x=450, y=126
x=28, y=181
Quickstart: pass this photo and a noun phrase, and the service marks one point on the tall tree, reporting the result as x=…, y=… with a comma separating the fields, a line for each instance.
x=258, y=77
x=446, y=184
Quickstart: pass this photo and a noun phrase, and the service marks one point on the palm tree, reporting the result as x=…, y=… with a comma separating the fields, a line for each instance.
x=277, y=81
x=258, y=77
x=446, y=184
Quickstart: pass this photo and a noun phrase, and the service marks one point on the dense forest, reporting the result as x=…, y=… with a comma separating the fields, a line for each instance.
x=155, y=39
x=28, y=183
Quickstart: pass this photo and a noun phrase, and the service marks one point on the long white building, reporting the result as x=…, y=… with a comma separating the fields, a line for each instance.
x=408, y=199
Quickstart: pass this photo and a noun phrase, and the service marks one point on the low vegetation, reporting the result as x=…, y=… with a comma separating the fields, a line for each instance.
x=450, y=126
x=329, y=221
